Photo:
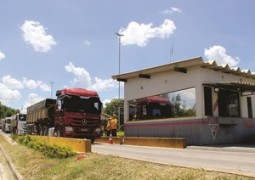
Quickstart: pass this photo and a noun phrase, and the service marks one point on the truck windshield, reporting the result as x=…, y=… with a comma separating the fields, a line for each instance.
x=8, y=121
x=82, y=104
x=22, y=117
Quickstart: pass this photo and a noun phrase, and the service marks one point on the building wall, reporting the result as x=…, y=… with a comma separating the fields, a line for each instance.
x=162, y=83
x=197, y=131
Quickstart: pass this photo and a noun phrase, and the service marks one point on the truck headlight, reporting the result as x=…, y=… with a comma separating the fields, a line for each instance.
x=97, y=130
x=69, y=129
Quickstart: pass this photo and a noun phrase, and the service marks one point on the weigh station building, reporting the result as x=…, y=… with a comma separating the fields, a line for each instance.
x=204, y=102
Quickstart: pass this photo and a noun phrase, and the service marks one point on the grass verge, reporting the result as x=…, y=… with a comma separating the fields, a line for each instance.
x=32, y=164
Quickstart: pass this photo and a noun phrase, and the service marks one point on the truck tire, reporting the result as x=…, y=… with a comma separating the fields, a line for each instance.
x=14, y=131
x=43, y=131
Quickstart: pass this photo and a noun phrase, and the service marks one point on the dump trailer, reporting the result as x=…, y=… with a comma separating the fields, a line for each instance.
x=40, y=117
x=18, y=124
x=6, y=124
x=75, y=113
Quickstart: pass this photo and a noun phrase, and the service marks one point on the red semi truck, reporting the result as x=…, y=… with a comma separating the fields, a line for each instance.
x=75, y=113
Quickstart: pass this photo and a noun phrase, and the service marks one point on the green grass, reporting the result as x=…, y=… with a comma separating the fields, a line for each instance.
x=34, y=165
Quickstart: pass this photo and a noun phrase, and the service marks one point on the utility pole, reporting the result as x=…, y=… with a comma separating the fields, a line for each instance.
x=119, y=37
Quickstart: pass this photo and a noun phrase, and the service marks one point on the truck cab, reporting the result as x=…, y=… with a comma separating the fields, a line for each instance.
x=6, y=123
x=78, y=113
x=18, y=124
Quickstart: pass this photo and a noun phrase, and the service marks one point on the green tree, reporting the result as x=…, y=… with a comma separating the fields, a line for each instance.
x=115, y=106
x=6, y=111
x=177, y=100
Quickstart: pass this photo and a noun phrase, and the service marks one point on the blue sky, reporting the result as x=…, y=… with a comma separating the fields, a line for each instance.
x=73, y=43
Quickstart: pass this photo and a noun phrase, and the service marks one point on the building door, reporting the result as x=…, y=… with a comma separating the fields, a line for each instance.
x=228, y=103
x=208, y=101
x=249, y=107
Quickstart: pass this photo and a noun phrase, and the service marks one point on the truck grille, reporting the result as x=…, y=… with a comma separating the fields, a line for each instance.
x=77, y=122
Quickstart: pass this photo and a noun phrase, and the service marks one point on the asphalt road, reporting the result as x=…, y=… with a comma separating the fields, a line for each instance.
x=232, y=159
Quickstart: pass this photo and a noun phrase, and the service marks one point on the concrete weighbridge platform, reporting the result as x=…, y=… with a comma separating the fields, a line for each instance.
x=84, y=145
x=145, y=141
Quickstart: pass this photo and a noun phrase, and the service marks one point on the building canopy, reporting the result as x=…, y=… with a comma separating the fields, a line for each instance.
x=181, y=66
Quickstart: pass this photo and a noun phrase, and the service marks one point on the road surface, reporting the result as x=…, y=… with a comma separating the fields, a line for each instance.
x=238, y=160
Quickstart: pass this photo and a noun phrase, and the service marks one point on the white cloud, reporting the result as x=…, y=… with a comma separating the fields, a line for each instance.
x=101, y=84
x=35, y=34
x=219, y=54
x=9, y=89
x=32, y=99
x=7, y=94
x=45, y=87
x=82, y=77
x=31, y=84
x=87, y=43
x=172, y=10
x=140, y=34
x=2, y=55
x=12, y=83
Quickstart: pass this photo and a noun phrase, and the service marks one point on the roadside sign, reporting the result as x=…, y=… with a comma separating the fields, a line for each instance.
x=214, y=130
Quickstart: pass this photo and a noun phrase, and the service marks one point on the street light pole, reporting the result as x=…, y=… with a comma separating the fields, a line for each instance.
x=119, y=37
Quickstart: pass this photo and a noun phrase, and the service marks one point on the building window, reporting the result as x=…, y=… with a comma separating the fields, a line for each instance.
x=208, y=101
x=249, y=107
x=228, y=103
x=173, y=104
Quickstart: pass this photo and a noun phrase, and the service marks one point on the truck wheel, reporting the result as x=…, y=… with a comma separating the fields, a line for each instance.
x=92, y=140
x=44, y=131
x=15, y=131
x=41, y=131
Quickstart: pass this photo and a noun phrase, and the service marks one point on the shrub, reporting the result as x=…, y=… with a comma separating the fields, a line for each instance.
x=52, y=151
